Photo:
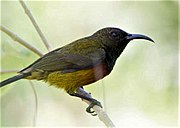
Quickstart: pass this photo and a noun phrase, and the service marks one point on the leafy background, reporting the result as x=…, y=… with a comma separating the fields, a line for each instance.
x=142, y=90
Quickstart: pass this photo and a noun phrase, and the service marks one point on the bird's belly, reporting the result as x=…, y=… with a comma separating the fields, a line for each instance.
x=71, y=81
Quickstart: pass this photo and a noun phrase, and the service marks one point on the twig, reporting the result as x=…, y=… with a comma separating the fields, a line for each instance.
x=36, y=104
x=27, y=11
x=99, y=111
x=20, y=40
x=9, y=71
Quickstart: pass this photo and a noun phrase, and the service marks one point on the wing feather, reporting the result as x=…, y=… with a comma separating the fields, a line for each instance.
x=68, y=61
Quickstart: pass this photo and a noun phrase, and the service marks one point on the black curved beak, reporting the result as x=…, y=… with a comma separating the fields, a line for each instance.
x=138, y=36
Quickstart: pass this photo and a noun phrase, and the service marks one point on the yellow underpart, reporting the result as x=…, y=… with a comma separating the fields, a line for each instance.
x=71, y=81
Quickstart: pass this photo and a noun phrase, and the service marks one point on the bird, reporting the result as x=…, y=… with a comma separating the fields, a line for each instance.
x=79, y=63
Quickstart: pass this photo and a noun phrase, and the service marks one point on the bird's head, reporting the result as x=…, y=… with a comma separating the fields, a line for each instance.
x=114, y=41
x=116, y=38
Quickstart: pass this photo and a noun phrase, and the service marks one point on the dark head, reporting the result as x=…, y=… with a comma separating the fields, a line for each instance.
x=113, y=37
x=114, y=41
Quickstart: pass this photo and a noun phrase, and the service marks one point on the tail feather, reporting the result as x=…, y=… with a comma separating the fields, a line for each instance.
x=13, y=79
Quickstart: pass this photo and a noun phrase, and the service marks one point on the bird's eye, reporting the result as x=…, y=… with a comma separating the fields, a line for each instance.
x=114, y=35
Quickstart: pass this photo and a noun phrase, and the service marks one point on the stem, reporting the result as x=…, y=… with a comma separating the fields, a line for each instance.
x=20, y=40
x=28, y=12
x=36, y=104
x=9, y=71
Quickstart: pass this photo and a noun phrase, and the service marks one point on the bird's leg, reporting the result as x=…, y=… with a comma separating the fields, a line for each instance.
x=81, y=93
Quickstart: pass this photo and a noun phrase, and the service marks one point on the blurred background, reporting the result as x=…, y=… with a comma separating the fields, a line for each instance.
x=141, y=91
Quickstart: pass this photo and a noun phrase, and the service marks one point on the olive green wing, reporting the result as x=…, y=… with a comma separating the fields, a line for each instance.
x=67, y=60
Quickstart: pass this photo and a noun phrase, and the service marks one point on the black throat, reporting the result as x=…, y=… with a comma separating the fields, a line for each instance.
x=113, y=53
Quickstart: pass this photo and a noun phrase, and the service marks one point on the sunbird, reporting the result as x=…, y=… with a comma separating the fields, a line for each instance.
x=79, y=63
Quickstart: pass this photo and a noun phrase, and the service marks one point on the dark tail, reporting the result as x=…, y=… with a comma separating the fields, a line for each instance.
x=13, y=79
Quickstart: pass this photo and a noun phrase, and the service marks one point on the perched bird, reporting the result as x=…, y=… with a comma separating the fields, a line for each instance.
x=79, y=63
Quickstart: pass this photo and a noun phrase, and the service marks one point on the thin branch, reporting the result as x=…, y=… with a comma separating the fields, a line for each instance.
x=20, y=40
x=27, y=11
x=36, y=104
x=9, y=71
x=99, y=111
x=104, y=94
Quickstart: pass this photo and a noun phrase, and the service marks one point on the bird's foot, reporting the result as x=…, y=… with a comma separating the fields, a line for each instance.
x=93, y=103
